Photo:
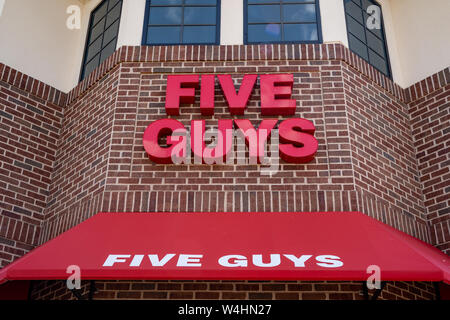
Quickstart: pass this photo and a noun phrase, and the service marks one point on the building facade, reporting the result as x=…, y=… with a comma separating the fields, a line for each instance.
x=75, y=102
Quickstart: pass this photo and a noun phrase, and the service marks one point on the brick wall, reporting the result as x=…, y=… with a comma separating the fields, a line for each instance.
x=81, y=162
x=372, y=171
x=429, y=109
x=383, y=155
x=229, y=290
x=31, y=115
x=368, y=128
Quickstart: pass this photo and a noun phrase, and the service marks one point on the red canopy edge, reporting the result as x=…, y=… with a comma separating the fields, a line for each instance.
x=434, y=255
x=356, y=239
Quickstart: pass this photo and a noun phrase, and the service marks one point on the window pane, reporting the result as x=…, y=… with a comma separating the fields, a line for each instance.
x=355, y=11
x=356, y=29
x=94, y=48
x=111, y=33
x=156, y=35
x=113, y=15
x=375, y=44
x=91, y=65
x=166, y=2
x=264, y=33
x=297, y=1
x=366, y=3
x=199, y=34
x=165, y=15
x=200, y=15
x=108, y=50
x=358, y=47
x=299, y=13
x=100, y=13
x=264, y=13
x=112, y=3
x=201, y=2
x=300, y=32
x=263, y=1
x=97, y=30
x=378, y=62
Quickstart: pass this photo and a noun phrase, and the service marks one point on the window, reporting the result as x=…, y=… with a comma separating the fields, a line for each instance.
x=282, y=21
x=369, y=44
x=102, y=35
x=182, y=22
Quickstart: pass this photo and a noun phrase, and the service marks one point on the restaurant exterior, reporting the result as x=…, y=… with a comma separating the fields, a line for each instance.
x=359, y=168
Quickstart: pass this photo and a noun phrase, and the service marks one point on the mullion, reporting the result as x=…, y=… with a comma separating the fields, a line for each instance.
x=106, y=14
x=182, y=21
x=365, y=35
x=104, y=28
x=104, y=46
x=93, y=26
x=364, y=43
x=109, y=10
x=178, y=25
x=281, y=2
x=252, y=23
x=92, y=41
x=281, y=21
x=385, y=63
x=187, y=5
x=353, y=34
x=101, y=51
x=93, y=57
x=381, y=57
x=282, y=17
x=375, y=35
x=111, y=25
x=109, y=43
x=99, y=21
x=359, y=7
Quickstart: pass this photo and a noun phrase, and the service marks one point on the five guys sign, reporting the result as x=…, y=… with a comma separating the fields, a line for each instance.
x=297, y=141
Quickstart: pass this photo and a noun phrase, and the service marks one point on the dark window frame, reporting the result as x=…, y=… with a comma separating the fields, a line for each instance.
x=318, y=23
x=88, y=36
x=147, y=18
x=383, y=31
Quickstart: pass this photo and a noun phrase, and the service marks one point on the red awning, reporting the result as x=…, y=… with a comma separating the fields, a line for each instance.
x=233, y=246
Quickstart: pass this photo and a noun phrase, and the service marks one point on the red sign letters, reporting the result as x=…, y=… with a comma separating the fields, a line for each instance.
x=297, y=141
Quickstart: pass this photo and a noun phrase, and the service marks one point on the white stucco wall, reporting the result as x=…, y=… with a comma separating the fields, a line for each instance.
x=131, y=23
x=232, y=22
x=35, y=40
x=391, y=42
x=332, y=16
x=422, y=33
